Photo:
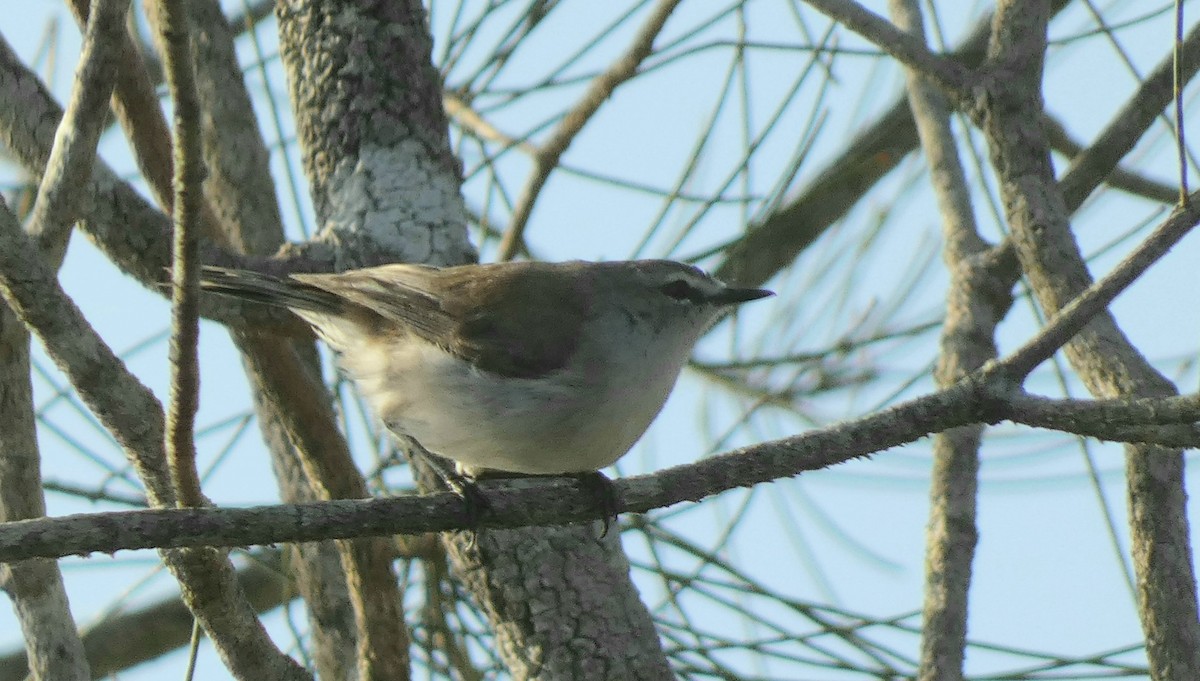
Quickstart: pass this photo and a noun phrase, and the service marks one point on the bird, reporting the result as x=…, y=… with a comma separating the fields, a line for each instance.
x=536, y=368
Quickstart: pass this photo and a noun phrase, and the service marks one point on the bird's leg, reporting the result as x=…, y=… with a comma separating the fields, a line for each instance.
x=602, y=493
x=475, y=502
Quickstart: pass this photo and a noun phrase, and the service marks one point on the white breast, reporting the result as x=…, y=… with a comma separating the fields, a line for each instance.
x=572, y=421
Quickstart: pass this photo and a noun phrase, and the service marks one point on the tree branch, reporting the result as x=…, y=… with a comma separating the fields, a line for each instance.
x=1080, y=310
x=525, y=502
x=1128, y=126
x=179, y=440
x=134, y=417
x=162, y=626
x=977, y=299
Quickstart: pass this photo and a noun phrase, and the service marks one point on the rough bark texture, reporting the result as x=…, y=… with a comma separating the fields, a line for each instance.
x=561, y=603
x=373, y=133
x=976, y=302
x=52, y=645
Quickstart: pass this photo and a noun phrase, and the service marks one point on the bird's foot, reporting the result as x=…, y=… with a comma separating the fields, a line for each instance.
x=603, y=494
x=475, y=502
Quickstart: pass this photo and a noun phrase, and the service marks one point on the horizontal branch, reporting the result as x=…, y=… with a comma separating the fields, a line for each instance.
x=1164, y=422
x=554, y=501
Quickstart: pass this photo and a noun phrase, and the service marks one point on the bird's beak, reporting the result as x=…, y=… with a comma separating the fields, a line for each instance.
x=737, y=296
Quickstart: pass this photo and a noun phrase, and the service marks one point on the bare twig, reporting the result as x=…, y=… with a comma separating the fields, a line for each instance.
x=1169, y=421
x=546, y=158
x=1127, y=181
x=1178, y=80
x=185, y=273
x=1129, y=124
x=776, y=241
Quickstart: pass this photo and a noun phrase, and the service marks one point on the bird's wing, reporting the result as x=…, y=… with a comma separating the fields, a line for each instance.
x=477, y=313
x=393, y=293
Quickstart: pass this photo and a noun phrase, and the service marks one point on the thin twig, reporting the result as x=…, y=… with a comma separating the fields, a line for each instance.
x=1177, y=72
x=954, y=78
x=185, y=288
x=1129, y=124
x=598, y=92
x=775, y=242
x=74, y=152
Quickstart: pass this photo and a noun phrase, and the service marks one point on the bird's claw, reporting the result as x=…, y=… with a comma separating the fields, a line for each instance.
x=603, y=494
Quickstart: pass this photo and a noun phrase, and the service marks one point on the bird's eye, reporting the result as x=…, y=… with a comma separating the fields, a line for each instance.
x=679, y=290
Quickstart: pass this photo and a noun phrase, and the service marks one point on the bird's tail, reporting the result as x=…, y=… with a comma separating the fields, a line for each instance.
x=269, y=290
